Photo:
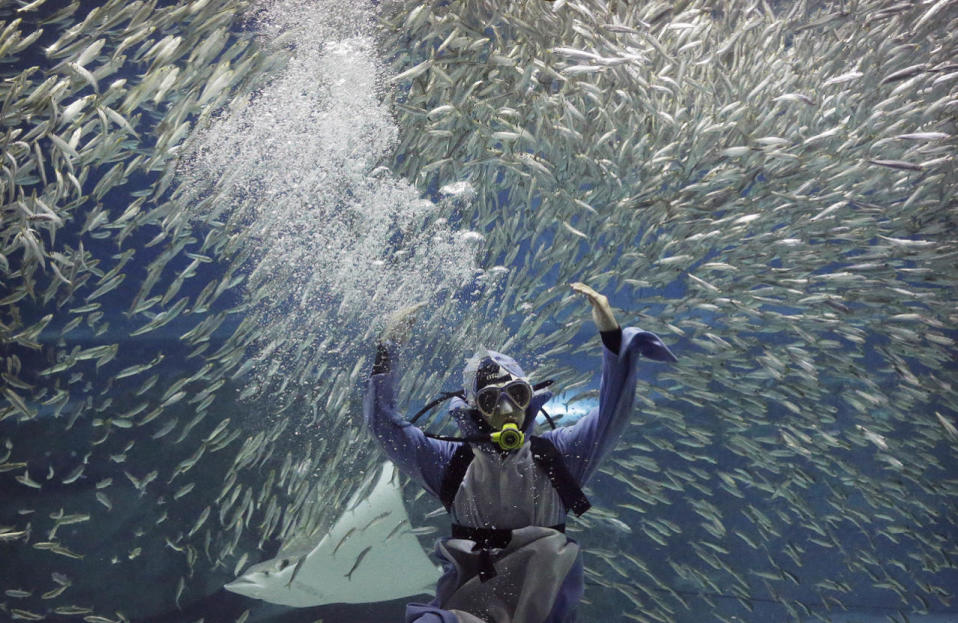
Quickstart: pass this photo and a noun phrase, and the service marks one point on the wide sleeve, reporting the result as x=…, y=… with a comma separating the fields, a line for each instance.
x=416, y=455
x=586, y=443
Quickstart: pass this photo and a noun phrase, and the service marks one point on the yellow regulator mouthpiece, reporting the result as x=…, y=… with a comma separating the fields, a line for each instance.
x=509, y=438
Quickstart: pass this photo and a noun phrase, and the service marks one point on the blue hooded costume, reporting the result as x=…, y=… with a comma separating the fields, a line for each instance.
x=538, y=575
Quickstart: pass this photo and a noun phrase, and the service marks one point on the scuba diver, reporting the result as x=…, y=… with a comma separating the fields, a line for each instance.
x=508, y=559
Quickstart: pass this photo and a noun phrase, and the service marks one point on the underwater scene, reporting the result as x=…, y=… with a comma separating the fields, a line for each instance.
x=212, y=210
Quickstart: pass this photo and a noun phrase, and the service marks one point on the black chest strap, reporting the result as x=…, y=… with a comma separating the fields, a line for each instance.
x=455, y=474
x=545, y=456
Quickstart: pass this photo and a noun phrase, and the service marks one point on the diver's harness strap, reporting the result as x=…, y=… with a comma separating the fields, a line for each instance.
x=455, y=474
x=486, y=539
x=546, y=456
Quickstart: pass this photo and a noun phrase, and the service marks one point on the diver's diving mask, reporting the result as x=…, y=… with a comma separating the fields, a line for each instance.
x=517, y=392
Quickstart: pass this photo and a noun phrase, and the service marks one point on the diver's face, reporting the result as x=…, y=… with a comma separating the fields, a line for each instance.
x=506, y=413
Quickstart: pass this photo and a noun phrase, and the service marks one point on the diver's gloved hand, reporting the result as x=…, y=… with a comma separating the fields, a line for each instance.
x=399, y=324
x=601, y=310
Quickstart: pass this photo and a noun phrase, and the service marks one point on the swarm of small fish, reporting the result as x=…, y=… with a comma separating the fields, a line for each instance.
x=772, y=191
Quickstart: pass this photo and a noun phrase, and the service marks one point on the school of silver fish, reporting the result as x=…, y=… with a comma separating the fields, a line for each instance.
x=209, y=207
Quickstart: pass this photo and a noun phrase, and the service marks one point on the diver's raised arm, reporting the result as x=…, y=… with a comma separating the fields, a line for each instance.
x=415, y=454
x=584, y=444
x=601, y=310
x=603, y=317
